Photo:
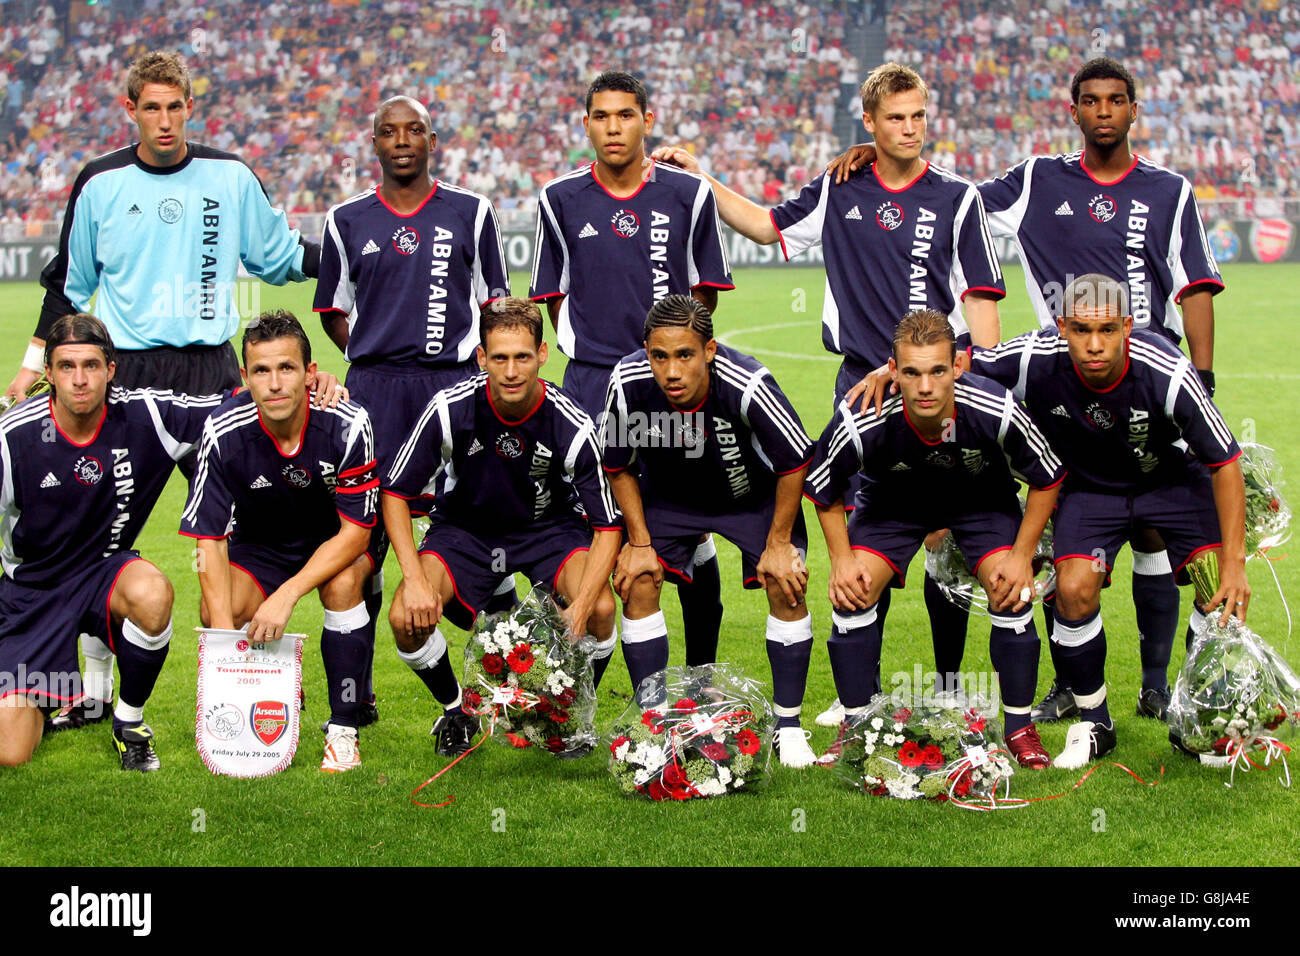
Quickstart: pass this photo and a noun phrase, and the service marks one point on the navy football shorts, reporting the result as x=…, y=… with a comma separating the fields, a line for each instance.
x=39, y=629
x=476, y=564
x=267, y=567
x=1091, y=524
x=587, y=385
x=675, y=535
x=981, y=529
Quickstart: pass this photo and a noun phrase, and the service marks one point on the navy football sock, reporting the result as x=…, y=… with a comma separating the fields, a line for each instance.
x=789, y=651
x=345, y=642
x=947, y=633
x=854, y=649
x=1082, y=647
x=1013, y=650
x=1156, y=601
x=645, y=649
x=504, y=598
x=140, y=659
x=374, y=604
x=601, y=658
x=432, y=665
x=1054, y=649
x=702, y=609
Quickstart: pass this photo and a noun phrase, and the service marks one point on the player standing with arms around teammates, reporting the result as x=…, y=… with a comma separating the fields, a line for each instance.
x=945, y=454
x=1124, y=407
x=514, y=469
x=903, y=234
x=80, y=470
x=159, y=230
x=1104, y=210
x=405, y=268
x=613, y=238
x=282, y=504
x=720, y=449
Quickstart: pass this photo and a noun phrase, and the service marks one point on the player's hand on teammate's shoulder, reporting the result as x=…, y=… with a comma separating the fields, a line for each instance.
x=780, y=562
x=677, y=156
x=634, y=561
x=850, y=161
x=850, y=583
x=872, y=390
x=327, y=390
x=272, y=618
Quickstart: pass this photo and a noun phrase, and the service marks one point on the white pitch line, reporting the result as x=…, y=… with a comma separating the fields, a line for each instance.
x=730, y=339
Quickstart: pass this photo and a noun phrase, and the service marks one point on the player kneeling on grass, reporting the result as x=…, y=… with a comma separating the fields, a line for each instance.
x=943, y=454
x=80, y=470
x=282, y=503
x=699, y=438
x=513, y=468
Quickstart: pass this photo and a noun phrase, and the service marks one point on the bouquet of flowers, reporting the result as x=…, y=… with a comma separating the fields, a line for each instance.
x=705, y=733
x=533, y=683
x=1268, y=517
x=947, y=566
x=918, y=751
x=1234, y=695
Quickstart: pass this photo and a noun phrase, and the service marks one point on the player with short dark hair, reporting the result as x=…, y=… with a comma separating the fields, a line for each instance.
x=1103, y=210
x=699, y=438
x=80, y=470
x=406, y=267
x=613, y=238
x=513, y=469
x=282, y=504
x=945, y=454
x=903, y=234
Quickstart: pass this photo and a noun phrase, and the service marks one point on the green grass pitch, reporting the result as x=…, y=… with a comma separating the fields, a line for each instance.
x=73, y=805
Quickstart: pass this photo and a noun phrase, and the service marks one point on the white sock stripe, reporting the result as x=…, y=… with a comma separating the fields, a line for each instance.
x=428, y=655
x=507, y=586
x=149, y=642
x=1076, y=636
x=1013, y=622
x=1008, y=709
x=1152, y=563
x=850, y=712
x=128, y=713
x=787, y=711
x=789, y=632
x=706, y=550
x=606, y=647
x=853, y=620
x=1198, y=621
x=1095, y=699
x=353, y=619
x=644, y=628
x=94, y=648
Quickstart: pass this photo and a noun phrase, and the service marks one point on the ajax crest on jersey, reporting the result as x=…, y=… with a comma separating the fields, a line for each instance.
x=246, y=719
x=889, y=215
x=406, y=240
x=1101, y=207
x=88, y=470
x=625, y=223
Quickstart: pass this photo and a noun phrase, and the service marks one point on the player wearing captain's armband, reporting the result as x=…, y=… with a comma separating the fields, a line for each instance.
x=943, y=454
x=513, y=469
x=699, y=438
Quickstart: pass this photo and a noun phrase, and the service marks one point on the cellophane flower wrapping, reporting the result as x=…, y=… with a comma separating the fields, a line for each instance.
x=523, y=672
x=691, y=733
x=1234, y=690
x=1268, y=517
x=947, y=566
x=925, y=751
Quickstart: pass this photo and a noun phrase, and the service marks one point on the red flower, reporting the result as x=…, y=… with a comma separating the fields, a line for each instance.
x=976, y=725
x=657, y=791
x=963, y=785
x=902, y=715
x=748, y=742
x=932, y=756
x=674, y=776
x=517, y=741
x=652, y=718
x=493, y=663
x=520, y=659
x=567, y=697
x=619, y=741
x=560, y=716
x=879, y=791
x=715, y=751
x=686, y=705
x=909, y=755
x=471, y=699
x=682, y=793
x=554, y=744
x=1221, y=745
x=543, y=706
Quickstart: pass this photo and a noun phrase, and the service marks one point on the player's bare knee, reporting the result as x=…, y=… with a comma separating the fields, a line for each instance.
x=643, y=598
x=601, y=622
x=1077, y=597
x=20, y=730
x=779, y=606
x=148, y=597
x=343, y=591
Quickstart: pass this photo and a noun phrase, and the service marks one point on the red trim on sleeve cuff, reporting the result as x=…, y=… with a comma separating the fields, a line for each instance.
x=359, y=524
x=204, y=537
x=357, y=490
x=1054, y=484
x=1228, y=462
x=359, y=469
x=599, y=527
x=782, y=474
x=547, y=295
x=771, y=214
x=1178, y=296
x=613, y=471
x=393, y=494
x=997, y=293
x=819, y=504
x=712, y=285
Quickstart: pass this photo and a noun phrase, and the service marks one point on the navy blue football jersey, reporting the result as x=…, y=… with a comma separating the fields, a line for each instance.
x=1143, y=229
x=1129, y=438
x=412, y=286
x=989, y=442
x=62, y=505
x=888, y=252
x=493, y=476
x=613, y=258
x=720, y=457
x=246, y=489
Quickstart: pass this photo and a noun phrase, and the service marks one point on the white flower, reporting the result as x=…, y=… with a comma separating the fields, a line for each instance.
x=871, y=748
x=724, y=776
x=620, y=752
x=876, y=723
x=872, y=737
x=642, y=777
x=897, y=728
x=711, y=788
